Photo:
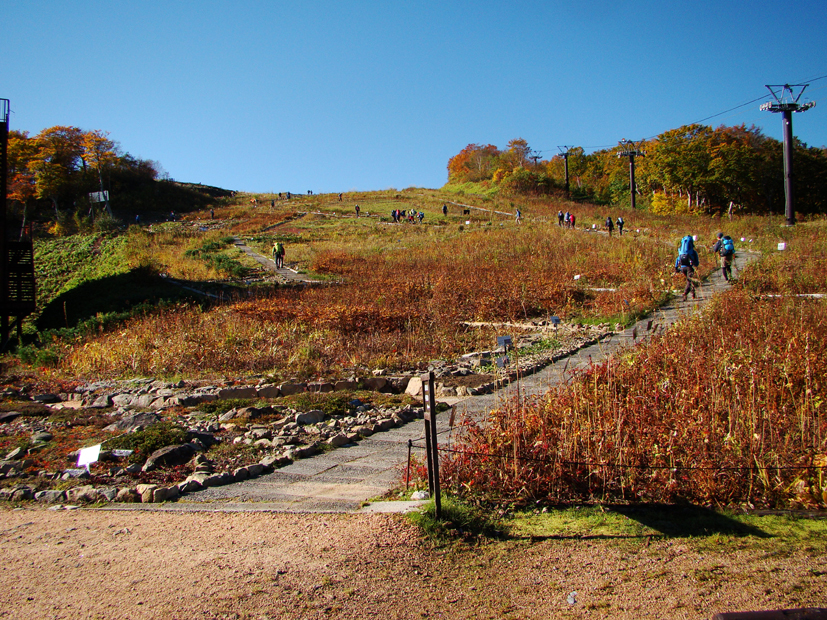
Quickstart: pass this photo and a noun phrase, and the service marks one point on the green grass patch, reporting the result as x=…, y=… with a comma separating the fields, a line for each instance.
x=148, y=440
x=457, y=518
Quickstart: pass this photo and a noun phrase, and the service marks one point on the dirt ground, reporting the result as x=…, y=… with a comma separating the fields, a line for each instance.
x=135, y=565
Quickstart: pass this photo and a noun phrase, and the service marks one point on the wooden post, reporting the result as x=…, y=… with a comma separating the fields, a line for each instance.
x=430, y=440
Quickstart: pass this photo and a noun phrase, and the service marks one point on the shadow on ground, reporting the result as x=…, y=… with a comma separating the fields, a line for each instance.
x=686, y=520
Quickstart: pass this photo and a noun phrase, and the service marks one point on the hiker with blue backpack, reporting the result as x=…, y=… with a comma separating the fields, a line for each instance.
x=686, y=262
x=725, y=246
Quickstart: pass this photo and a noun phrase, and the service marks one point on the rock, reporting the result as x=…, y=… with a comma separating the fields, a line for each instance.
x=134, y=468
x=8, y=416
x=196, y=399
x=146, y=491
x=122, y=400
x=78, y=473
x=338, y=441
x=418, y=496
x=20, y=493
x=101, y=402
x=255, y=470
x=135, y=422
x=169, y=456
x=345, y=385
x=322, y=387
x=313, y=416
x=384, y=424
x=275, y=461
x=268, y=391
x=398, y=384
x=86, y=493
x=14, y=454
x=263, y=443
x=377, y=384
x=237, y=392
x=305, y=451
x=42, y=437
x=204, y=438
x=363, y=430
x=127, y=496
x=240, y=474
x=287, y=389
x=50, y=496
x=414, y=387
x=108, y=493
x=47, y=398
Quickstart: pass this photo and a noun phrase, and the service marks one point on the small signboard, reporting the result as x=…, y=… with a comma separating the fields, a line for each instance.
x=504, y=341
x=99, y=196
x=87, y=456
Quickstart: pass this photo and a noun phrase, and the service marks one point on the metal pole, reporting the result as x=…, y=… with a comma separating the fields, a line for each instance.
x=787, y=116
x=566, y=162
x=632, y=176
x=4, y=254
x=408, y=470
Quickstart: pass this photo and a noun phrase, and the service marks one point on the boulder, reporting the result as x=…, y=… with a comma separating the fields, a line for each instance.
x=50, y=496
x=414, y=387
x=101, y=402
x=237, y=392
x=170, y=456
x=322, y=387
x=288, y=389
x=268, y=391
x=377, y=384
x=42, y=437
x=128, y=496
x=47, y=398
x=146, y=491
x=130, y=423
x=255, y=470
x=346, y=385
x=20, y=493
x=314, y=416
x=338, y=440
x=86, y=493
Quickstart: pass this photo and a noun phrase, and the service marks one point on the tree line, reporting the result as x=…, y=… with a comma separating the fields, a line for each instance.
x=52, y=177
x=692, y=169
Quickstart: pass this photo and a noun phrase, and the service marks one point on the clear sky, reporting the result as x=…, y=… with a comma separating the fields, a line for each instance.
x=340, y=95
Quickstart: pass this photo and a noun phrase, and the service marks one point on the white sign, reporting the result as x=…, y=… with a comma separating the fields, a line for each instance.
x=87, y=456
x=99, y=196
x=782, y=247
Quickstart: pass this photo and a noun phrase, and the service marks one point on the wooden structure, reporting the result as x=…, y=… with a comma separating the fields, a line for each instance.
x=17, y=281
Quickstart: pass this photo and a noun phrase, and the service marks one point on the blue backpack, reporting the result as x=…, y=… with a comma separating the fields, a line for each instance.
x=687, y=247
x=727, y=246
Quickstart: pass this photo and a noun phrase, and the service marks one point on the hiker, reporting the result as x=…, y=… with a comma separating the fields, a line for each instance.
x=686, y=262
x=559, y=218
x=340, y=197
x=420, y=216
x=567, y=219
x=620, y=226
x=278, y=254
x=519, y=216
x=725, y=246
x=444, y=210
x=572, y=220
x=212, y=214
x=357, y=210
x=610, y=226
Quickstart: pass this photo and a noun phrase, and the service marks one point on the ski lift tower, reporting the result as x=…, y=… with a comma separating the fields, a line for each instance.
x=631, y=151
x=786, y=102
x=17, y=284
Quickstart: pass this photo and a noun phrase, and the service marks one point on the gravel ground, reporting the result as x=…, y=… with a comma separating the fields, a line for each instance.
x=103, y=564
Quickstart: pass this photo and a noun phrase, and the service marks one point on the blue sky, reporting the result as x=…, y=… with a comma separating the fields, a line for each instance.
x=336, y=96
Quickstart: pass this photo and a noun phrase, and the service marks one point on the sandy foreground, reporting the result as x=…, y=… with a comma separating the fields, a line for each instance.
x=135, y=565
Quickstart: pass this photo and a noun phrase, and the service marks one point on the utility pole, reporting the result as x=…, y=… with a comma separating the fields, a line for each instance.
x=631, y=152
x=565, y=156
x=786, y=102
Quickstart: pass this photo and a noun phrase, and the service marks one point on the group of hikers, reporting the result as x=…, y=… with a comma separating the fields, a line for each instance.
x=410, y=215
x=610, y=225
x=688, y=260
x=566, y=219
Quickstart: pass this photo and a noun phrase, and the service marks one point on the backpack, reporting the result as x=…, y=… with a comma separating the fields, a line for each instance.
x=727, y=246
x=687, y=246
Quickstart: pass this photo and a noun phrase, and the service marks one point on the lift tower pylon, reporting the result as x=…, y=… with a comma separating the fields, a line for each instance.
x=786, y=102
